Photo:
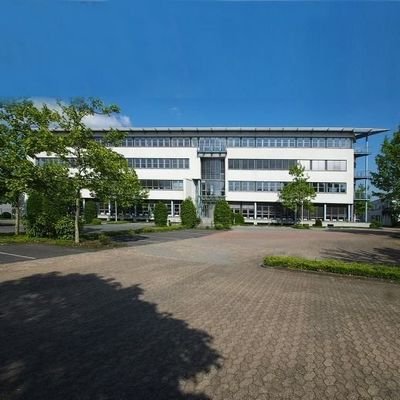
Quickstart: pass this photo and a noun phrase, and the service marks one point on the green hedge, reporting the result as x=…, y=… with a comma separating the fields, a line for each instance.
x=222, y=215
x=160, y=214
x=335, y=266
x=188, y=214
x=90, y=212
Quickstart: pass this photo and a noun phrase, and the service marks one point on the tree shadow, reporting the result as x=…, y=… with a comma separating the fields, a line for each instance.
x=85, y=337
x=391, y=232
x=384, y=255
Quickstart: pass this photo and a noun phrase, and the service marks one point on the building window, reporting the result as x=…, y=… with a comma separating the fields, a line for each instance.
x=252, y=164
x=161, y=184
x=158, y=163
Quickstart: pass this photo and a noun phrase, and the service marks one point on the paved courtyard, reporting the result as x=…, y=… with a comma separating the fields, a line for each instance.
x=199, y=319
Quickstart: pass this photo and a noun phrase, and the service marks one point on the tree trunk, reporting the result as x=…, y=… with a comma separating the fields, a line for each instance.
x=302, y=212
x=77, y=214
x=116, y=211
x=17, y=219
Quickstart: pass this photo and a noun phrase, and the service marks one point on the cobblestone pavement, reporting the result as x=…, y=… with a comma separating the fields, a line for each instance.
x=199, y=319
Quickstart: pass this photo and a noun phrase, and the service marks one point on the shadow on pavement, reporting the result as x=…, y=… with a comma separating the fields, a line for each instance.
x=85, y=337
x=393, y=233
x=384, y=255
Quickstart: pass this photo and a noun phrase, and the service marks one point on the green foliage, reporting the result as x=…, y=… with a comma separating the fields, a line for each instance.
x=375, y=224
x=297, y=194
x=222, y=215
x=335, y=266
x=65, y=228
x=95, y=221
x=90, y=212
x=318, y=223
x=96, y=167
x=188, y=214
x=104, y=239
x=24, y=132
x=237, y=219
x=301, y=226
x=160, y=214
x=387, y=176
x=5, y=215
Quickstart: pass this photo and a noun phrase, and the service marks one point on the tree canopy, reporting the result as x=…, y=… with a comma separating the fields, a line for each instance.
x=387, y=177
x=84, y=163
x=297, y=194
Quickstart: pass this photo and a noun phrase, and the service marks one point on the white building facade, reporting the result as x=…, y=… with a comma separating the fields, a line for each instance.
x=245, y=166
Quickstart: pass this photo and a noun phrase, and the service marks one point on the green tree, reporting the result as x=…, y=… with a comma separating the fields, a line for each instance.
x=387, y=176
x=188, y=213
x=160, y=214
x=222, y=215
x=298, y=193
x=24, y=132
x=94, y=166
x=90, y=211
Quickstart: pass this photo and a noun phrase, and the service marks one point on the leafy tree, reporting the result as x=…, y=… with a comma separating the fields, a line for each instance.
x=387, y=176
x=94, y=166
x=160, y=214
x=222, y=215
x=24, y=132
x=298, y=193
x=188, y=213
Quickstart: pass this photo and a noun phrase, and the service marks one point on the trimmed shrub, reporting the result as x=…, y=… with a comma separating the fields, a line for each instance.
x=95, y=221
x=375, y=224
x=90, y=212
x=189, y=217
x=237, y=219
x=222, y=215
x=5, y=215
x=301, y=226
x=65, y=228
x=160, y=214
x=318, y=223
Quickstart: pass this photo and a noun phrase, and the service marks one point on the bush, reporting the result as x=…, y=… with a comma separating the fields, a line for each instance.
x=104, y=239
x=160, y=214
x=90, y=212
x=375, y=224
x=222, y=215
x=237, y=219
x=95, y=221
x=318, y=223
x=65, y=228
x=5, y=215
x=189, y=217
x=301, y=226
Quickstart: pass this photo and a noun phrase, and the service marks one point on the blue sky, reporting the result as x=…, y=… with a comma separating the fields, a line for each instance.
x=210, y=63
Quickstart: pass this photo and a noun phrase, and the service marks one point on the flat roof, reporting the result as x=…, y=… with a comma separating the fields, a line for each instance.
x=358, y=132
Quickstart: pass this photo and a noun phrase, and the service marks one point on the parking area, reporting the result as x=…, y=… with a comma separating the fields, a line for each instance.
x=198, y=318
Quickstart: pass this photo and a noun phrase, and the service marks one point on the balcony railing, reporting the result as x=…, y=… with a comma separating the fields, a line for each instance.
x=362, y=175
x=361, y=151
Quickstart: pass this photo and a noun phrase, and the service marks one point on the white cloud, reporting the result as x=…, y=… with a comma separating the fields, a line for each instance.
x=92, y=121
x=176, y=111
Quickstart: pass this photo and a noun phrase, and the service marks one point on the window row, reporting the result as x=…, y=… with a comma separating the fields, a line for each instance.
x=250, y=164
x=324, y=165
x=41, y=161
x=272, y=186
x=159, y=163
x=220, y=143
x=161, y=184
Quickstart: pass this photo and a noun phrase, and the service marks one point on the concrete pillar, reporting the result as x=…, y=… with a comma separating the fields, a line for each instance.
x=255, y=213
x=324, y=211
x=172, y=208
x=349, y=212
